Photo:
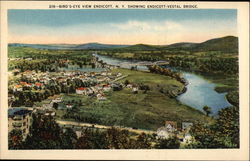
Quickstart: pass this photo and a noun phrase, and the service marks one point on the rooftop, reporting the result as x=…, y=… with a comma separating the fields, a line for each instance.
x=17, y=111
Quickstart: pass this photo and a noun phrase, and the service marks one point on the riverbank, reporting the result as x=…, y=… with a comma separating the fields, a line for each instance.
x=227, y=84
x=143, y=110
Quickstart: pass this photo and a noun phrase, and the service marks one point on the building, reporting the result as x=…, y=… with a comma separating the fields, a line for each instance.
x=19, y=118
x=187, y=137
x=18, y=88
x=168, y=130
x=106, y=88
x=81, y=90
x=171, y=126
x=186, y=126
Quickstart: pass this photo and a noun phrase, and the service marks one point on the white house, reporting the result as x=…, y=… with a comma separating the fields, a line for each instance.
x=135, y=89
x=100, y=97
x=18, y=88
x=187, y=138
x=106, y=88
x=69, y=106
x=81, y=90
x=168, y=130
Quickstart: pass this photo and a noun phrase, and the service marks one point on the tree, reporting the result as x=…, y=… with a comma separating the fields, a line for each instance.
x=170, y=143
x=69, y=139
x=207, y=109
x=143, y=141
x=45, y=133
x=84, y=142
x=15, y=139
x=55, y=105
x=126, y=82
x=223, y=133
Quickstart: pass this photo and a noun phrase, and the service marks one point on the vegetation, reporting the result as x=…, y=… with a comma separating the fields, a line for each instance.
x=25, y=58
x=47, y=134
x=207, y=109
x=145, y=110
x=224, y=133
x=15, y=139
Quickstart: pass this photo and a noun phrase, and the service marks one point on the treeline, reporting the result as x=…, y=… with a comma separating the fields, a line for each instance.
x=45, y=133
x=206, y=65
x=49, y=64
x=168, y=72
x=46, y=60
x=207, y=62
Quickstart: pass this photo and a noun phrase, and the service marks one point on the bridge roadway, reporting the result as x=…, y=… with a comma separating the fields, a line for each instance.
x=146, y=63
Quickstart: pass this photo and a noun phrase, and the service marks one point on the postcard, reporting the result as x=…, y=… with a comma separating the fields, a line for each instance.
x=124, y=80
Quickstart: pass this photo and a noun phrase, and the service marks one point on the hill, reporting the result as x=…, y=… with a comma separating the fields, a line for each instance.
x=181, y=45
x=224, y=44
x=98, y=46
x=141, y=47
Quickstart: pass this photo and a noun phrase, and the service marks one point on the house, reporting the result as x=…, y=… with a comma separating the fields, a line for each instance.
x=23, y=83
x=37, y=84
x=135, y=89
x=104, y=73
x=187, y=138
x=106, y=88
x=164, y=133
x=119, y=74
x=18, y=88
x=186, y=126
x=171, y=126
x=57, y=100
x=168, y=130
x=19, y=118
x=101, y=97
x=29, y=85
x=129, y=86
x=69, y=106
x=81, y=90
x=50, y=113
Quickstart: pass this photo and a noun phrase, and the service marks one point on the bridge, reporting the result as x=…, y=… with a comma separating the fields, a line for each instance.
x=144, y=63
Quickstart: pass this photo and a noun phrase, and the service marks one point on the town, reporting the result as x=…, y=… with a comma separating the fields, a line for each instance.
x=31, y=86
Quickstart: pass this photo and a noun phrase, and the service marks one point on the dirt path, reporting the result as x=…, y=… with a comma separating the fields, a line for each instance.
x=139, y=131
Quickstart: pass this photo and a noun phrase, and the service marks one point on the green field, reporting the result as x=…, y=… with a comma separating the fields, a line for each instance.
x=143, y=110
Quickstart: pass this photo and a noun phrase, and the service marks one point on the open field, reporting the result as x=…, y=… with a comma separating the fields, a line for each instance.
x=143, y=110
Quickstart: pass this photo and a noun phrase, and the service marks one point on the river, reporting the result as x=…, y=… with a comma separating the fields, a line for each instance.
x=200, y=92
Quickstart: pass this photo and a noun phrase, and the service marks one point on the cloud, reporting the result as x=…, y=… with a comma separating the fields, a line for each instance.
x=148, y=26
x=129, y=32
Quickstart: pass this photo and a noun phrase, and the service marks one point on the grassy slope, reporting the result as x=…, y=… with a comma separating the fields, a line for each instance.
x=147, y=111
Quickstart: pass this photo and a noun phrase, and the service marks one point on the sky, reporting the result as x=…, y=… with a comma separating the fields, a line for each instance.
x=120, y=26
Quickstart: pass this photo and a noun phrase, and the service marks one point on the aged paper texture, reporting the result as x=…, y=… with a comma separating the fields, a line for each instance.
x=124, y=80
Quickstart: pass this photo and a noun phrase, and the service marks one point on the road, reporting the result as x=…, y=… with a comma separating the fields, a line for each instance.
x=81, y=124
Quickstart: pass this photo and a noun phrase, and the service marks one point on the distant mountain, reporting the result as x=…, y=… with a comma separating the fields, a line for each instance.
x=141, y=47
x=224, y=44
x=181, y=45
x=44, y=46
x=98, y=46
x=69, y=46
